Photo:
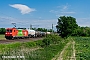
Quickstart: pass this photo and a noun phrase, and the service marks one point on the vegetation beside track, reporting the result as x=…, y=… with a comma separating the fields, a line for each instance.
x=2, y=37
x=48, y=48
x=44, y=49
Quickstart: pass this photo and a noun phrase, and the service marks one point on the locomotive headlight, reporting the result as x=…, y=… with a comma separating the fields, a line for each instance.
x=5, y=33
x=10, y=33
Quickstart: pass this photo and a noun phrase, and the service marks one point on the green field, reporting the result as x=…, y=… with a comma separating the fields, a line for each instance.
x=2, y=37
x=82, y=48
x=78, y=48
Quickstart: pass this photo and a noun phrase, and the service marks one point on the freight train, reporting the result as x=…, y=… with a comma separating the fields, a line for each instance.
x=14, y=33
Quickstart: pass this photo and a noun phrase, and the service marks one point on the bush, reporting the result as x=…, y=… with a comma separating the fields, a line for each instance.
x=51, y=39
x=46, y=41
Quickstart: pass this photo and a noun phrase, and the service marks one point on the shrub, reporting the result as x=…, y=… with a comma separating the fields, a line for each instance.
x=46, y=41
x=51, y=39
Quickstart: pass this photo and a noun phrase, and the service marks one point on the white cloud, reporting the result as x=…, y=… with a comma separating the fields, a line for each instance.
x=63, y=10
x=7, y=21
x=54, y=11
x=44, y=23
x=83, y=21
x=68, y=12
x=23, y=8
x=65, y=7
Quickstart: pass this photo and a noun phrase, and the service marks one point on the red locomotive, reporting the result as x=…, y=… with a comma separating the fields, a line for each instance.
x=12, y=33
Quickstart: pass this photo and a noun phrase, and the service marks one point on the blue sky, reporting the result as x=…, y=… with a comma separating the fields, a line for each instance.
x=42, y=13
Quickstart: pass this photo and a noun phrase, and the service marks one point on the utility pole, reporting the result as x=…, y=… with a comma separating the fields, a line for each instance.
x=52, y=28
x=33, y=25
x=30, y=26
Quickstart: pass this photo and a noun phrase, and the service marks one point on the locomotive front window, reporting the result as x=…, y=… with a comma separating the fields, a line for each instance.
x=9, y=30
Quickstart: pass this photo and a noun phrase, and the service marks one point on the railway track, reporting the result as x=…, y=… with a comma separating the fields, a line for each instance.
x=19, y=40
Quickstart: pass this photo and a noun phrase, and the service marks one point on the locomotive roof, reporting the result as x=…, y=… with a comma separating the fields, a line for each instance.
x=21, y=28
x=17, y=28
x=10, y=28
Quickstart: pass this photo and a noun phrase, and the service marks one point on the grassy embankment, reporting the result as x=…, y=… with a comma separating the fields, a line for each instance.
x=2, y=37
x=44, y=49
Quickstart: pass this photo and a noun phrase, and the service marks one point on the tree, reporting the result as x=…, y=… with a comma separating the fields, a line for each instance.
x=66, y=26
x=42, y=29
x=2, y=30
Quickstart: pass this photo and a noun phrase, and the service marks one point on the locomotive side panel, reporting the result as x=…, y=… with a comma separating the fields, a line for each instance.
x=12, y=33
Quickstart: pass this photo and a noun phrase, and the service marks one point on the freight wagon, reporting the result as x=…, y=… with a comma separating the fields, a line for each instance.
x=31, y=33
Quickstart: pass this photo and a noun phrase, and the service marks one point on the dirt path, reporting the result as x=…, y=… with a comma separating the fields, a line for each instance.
x=59, y=56
x=73, y=56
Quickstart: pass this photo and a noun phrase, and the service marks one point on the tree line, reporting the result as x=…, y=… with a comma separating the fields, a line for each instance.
x=81, y=31
x=43, y=29
x=2, y=30
x=67, y=26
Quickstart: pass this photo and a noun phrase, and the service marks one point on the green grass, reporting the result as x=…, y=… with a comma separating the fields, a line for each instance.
x=2, y=37
x=33, y=50
x=46, y=53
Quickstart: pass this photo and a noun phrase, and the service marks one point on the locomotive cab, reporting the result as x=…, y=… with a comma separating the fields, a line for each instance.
x=10, y=33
